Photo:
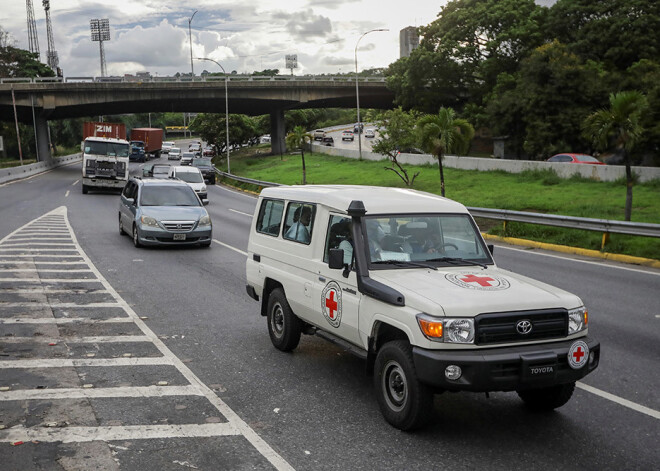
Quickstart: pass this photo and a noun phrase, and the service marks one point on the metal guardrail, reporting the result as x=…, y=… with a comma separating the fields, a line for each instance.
x=201, y=78
x=606, y=226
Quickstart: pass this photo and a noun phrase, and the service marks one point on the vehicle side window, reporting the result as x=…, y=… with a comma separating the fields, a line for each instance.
x=270, y=217
x=339, y=236
x=129, y=190
x=299, y=221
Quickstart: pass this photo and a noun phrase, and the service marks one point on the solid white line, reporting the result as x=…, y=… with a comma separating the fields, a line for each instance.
x=40, y=255
x=36, y=262
x=50, y=280
x=600, y=264
x=114, y=433
x=39, y=270
x=230, y=247
x=18, y=239
x=79, y=393
x=59, y=305
x=71, y=362
x=66, y=194
x=619, y=400
x=75, y=183
x=51, y=291
x=23, y=244
x=31, y=251
x=235, y=192
x=65, y=320
x=97, y=339
x=240, y=212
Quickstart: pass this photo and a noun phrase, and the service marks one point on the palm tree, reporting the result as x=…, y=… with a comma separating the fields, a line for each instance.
x=297, y=139
x=621, y=125
x=443, y=133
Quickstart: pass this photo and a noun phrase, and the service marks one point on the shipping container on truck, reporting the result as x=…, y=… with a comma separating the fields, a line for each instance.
x=152, y=138
x=111, y=130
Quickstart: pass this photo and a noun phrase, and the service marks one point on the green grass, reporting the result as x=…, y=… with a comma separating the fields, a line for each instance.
x=532, y=191
x=6, y=163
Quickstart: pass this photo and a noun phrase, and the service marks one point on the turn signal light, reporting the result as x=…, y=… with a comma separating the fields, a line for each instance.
x=586, y=317
x=431, y=329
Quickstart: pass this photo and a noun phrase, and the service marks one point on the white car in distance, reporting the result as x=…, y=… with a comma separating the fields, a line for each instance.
x=174, y=153
x=193, y=177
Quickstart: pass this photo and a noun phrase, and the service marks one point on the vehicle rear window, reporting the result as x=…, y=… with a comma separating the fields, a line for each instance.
x=190, y=177
x=586, y=158
x=270, y=217
x=168, y=196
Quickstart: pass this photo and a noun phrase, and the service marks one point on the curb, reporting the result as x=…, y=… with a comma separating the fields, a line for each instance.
x=647, y=262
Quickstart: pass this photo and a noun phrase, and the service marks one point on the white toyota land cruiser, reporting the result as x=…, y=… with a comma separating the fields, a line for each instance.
x=404, y=279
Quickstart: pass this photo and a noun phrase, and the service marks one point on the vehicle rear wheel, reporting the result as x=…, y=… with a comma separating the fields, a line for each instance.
x=136, y=238
x=545, y=399
x=84, y=189
x=284, y=327
x=121, y=227
x=404, y=401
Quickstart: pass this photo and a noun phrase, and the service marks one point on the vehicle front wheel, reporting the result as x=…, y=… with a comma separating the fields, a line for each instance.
x=284, y=327
x=404, y=401
x=546, y=399
x=84, y=189
x=136, y=238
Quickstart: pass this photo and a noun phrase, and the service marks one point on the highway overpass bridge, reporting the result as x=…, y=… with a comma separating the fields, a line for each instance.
x=40, y=100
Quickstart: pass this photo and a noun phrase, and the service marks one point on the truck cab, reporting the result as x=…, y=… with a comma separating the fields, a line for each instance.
x=404, y=279
x=105, y=163
x=137, y=152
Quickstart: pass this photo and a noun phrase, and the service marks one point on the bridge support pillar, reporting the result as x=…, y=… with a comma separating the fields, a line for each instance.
x=43, y=138
x=277, y=132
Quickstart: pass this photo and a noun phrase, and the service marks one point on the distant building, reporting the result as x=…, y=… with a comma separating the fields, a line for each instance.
x=408, y=40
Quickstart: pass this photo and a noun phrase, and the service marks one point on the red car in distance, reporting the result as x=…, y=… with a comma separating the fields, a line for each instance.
x=575, y=159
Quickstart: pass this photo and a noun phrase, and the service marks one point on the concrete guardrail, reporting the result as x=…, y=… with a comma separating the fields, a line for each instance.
x=15, y=173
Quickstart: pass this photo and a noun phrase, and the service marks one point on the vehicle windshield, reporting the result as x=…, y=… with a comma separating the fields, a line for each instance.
x=407, y=241
x=190, y=177
x=161, y=169
x=112, y=149
x=202, y=162
x=168, y=196
x=188, y=154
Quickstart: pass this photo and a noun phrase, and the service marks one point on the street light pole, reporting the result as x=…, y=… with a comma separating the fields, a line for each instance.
x=226, y=107
x=192, y=70
x=357, y=90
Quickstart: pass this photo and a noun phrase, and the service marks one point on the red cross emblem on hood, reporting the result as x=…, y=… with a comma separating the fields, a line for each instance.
x=482, y=280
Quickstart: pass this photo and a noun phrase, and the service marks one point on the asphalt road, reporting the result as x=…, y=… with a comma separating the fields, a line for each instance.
x=242, y=403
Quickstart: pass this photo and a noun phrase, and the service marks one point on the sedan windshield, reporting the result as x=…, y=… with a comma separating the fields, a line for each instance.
x=168, y=196
x=190, y=177
x=394, y=241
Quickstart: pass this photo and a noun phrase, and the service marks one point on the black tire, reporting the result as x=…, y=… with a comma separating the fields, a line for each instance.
x=546, y=399
x=212, y=181
x=84, y=189
x=136, y=240
x=121, y=227
x=404, y=401
x=205, y=245
x=284, y=327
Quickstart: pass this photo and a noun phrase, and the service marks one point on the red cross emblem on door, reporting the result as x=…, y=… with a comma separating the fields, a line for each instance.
x=481, y=280
x=331, y=304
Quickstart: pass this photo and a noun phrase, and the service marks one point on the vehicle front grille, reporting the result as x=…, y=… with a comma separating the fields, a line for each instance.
x=178, y=226
x=501, y=327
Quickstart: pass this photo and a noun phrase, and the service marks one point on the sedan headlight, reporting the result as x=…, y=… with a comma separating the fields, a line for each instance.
x=148, y=221
x=203, y=188
x=205, y=221
x=577, y=320
x=446, y=330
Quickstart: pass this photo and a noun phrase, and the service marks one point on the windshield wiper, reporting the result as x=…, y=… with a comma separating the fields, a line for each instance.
x=456, y=260
x=405, y=263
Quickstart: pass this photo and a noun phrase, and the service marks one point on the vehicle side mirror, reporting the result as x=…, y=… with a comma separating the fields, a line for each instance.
x=336, y=259
x=205, y=202
x=130, y=200
x=491, y=248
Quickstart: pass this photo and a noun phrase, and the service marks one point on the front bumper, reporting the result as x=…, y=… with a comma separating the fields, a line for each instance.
x=149, y=235
x=101, y=182
x=504, y=369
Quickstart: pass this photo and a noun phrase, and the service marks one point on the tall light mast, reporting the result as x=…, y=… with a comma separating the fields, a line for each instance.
x=33, y=41
x=51, y=55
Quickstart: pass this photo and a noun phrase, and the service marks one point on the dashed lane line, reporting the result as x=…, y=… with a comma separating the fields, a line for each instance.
x=113, y=433
x=230, y=247
x=619, y=400
x=96, y=393
x=240, y=212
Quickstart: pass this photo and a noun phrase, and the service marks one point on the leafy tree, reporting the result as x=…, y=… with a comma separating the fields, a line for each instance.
x=400, y=134
x=621, y=126
x=443, y=133
x=212, y=129
x=297, y=139
x=15, y=62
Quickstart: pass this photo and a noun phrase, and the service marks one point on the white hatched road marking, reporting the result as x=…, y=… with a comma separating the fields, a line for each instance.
x=68, y=340
x=128, y=432
x=42, y=270
x=60, y=305
x=234, y=426
x=77, y=393
x=65, y=320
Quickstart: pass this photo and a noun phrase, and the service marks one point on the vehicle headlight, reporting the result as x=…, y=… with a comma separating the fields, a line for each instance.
x=577, y=320
x=205, y=221
x=148, y=221
x=203, y=187
x=446, y=330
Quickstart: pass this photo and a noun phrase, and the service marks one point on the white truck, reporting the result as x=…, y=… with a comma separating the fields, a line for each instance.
x=105, y=163
x=405, y=280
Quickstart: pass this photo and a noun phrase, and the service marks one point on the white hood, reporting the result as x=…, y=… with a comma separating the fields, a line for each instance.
x=468, y=291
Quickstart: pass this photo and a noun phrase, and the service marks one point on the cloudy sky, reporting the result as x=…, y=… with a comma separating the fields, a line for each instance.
x=242, y=35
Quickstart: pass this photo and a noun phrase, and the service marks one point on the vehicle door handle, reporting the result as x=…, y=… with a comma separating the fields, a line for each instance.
x=322, y=279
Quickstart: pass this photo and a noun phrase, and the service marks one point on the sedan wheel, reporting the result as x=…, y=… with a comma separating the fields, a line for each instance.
x=136, y=239
x=121, y=227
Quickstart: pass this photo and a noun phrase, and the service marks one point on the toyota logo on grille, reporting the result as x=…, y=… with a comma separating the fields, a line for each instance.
x=524, y=327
